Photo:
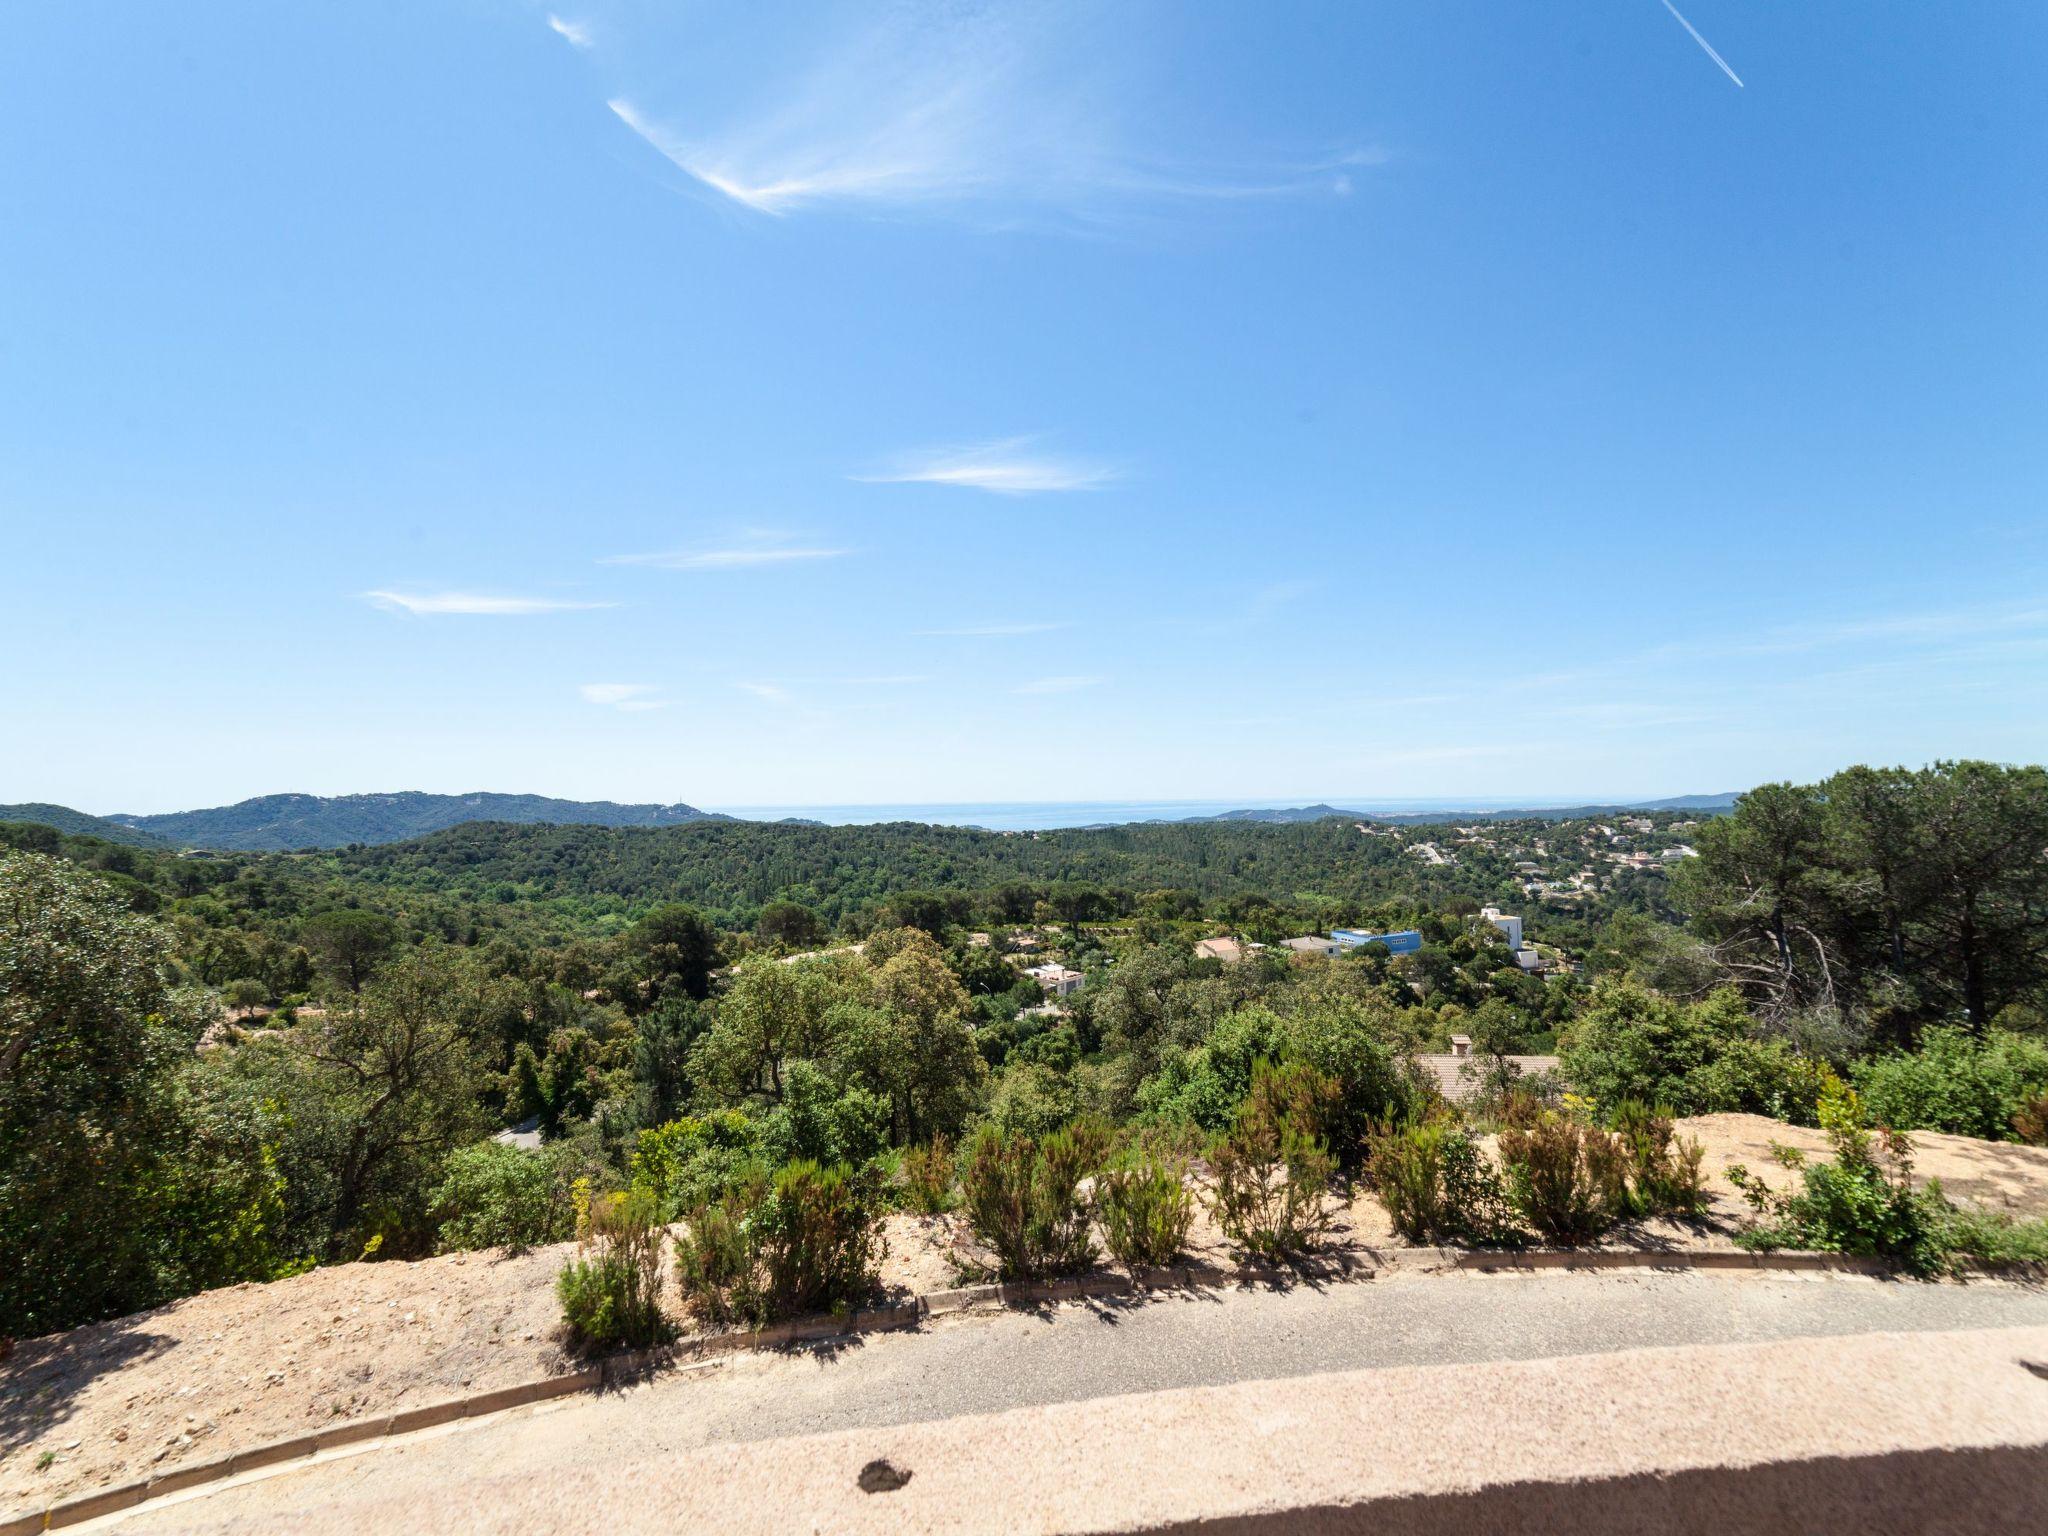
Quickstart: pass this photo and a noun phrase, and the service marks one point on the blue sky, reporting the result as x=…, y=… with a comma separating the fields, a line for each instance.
x=759, y=404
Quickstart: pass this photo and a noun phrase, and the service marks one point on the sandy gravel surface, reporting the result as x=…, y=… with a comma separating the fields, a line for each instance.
x=238, y=1367
x=1996, y=1174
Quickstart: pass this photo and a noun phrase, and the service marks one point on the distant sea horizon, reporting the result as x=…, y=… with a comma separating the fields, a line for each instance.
x=1048, y=815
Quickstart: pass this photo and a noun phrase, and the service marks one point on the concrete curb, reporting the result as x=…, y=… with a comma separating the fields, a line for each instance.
x=618, y=1370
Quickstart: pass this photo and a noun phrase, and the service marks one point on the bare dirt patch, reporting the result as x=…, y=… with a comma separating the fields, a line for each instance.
x=1999, y=1175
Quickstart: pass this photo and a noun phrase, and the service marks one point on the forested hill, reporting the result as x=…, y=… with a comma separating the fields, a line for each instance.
x=79, y=824
x=277, y=822
x=731, y=867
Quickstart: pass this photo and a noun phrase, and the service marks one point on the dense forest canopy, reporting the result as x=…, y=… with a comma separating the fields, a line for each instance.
x=225, y=1066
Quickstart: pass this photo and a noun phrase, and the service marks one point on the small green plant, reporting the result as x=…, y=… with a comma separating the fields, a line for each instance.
x=1437, y=1184
x=1145, y=1207
x=1273, y=1168
x=1566, y=1179
x=611, y=1291
x=1994, y=1236
x=1023, y=1198
x=928, y=1177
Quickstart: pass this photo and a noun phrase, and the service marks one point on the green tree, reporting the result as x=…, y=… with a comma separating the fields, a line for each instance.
x=349, y=944
x=1631, y=1043
x=1983, y=882
x=673, y=949
x=1757, y=893
x=401, y=1070
x=790, y=924
x=91, y=1040
x=775, y=1012
x=915, y=1046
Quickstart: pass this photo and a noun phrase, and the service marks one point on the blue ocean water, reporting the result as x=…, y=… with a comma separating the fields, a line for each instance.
x=1044, y=815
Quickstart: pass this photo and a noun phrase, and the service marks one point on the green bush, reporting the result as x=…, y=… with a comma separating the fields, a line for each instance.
x=722, y=1253
x=1758, y=1077
x=611, y=1291
x=1632, y=1043
x=1664, y=1173
x=1023, y=1198
x=1956, y=1082
x=1861, y=1203
x=495, y=1196
x=693, y=1161
x=1994, y=1236
x=928, y=1177
x=1145, y=1206
x=1273, y=1168
x=1437, y=1184
x=1566, y=1179
x=822, y=1122
x=807, y=1240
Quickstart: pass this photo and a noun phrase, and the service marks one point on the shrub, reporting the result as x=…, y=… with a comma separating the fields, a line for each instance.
x=1436, y=1183
x=1956, y=1082
x=1664, y=1175
x=1096, y=1139
x=825, y=1242
x=611, y=1291
x=808, y=1239
x=1758, y=1077
x=1861, y=1203
x=1567, y=1179
x=928, y=1177
x=495, y=1196
x=1023, y=1198
x=820, y=1122
x=1994, y=1236
x=1632, y=1043
x=1273, y=1167
x=2030, y=1121
x=1145, y=1206
x=721, y=1254
x=693, y=1161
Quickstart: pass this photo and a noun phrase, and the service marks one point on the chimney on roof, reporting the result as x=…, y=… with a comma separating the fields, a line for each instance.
x=1461, y=1045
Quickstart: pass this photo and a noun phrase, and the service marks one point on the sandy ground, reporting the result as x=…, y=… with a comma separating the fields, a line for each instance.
x=242, y=1366
x=1995, y=1174
x=238, y=1367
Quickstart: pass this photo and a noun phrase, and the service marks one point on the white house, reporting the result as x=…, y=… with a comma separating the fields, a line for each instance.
x=1510, y=927
x=1056, y=979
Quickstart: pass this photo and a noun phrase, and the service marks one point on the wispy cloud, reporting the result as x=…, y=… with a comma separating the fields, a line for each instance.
x=1007, y=466
x=738, y=557
x=630, y=697
x=575, y=33
x=767, y=693
x=473, y=603
x=994, y=631
x=1270, y=599
x=1058, y=684
x=963, y=106
x=1695, y=31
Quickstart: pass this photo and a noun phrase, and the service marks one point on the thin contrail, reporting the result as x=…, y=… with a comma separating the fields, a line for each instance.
x=1703, y=43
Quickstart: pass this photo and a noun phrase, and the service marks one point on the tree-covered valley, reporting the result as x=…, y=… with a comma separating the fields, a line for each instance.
x=221, y=1066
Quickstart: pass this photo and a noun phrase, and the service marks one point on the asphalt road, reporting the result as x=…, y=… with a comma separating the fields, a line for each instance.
x=983, y=1364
